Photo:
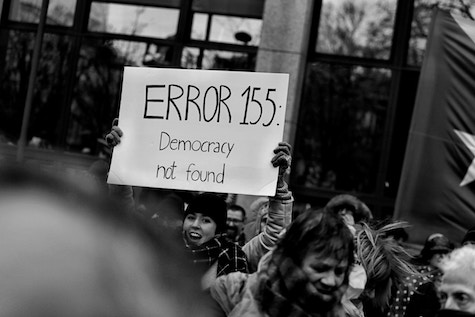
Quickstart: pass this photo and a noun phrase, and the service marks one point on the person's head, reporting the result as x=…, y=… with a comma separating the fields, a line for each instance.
x=205, y=217
x=457, y=290
x=320, y=245
x=66, y=252
x=435, y=247
x=350, y=208
x=385, y=262
x=260, y=208
x=236, y=216
x=163, y=208
x=469, y=237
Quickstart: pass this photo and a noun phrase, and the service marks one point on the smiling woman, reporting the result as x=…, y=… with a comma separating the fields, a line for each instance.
x=211, y=251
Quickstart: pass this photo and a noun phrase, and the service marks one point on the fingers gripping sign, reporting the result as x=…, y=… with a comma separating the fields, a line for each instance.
x=114, y=136
x=282, y=157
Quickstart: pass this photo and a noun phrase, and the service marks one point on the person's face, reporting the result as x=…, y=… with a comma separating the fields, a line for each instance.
x=234, y=223
x=198, y=229
x=347, y=216
x=436, y=258
x=457, y=293
x=325, y=274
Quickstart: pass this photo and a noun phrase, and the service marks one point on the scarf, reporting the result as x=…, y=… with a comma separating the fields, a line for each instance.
x=284, y=290
x=230, y=256
x=453, y=313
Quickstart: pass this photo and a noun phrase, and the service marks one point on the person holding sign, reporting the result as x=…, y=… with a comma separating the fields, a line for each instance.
x=205, y=224
x=210, y=250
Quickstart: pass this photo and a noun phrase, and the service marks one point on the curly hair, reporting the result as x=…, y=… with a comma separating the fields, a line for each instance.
x=460, y=260
x=385, y=261
x=317, y=230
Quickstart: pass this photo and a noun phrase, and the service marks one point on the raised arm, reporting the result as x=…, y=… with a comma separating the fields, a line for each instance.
x=124, y=194
x=279, y=214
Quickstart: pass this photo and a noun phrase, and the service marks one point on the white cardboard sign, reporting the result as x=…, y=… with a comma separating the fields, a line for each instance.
x=200, y=130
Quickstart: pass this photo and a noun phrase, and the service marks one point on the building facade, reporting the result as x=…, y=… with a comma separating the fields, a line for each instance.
x=354, y=67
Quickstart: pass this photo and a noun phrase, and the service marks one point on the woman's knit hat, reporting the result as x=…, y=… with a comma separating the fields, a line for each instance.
x=436, y=243
x=210, y=205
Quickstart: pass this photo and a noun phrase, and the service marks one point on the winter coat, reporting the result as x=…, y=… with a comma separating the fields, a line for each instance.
x=279, y=218
x=235, y=294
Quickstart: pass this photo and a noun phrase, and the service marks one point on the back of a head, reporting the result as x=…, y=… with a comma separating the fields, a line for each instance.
x=67, y=253
x=360, y=210
x=385, y=261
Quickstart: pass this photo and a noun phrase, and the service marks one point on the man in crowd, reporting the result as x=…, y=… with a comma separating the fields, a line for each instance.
x=236, y=216
x=457, y=291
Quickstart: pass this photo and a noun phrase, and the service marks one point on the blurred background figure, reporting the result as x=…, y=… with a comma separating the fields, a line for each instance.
x=351, y=209
x=417, y=296
x=257, y=218
x=65, y=252
x=164, y=209
x=354, y=213
x=469, y=237
x=386, y=264
x=435, y=247
x=457, y=290
x=236, y=216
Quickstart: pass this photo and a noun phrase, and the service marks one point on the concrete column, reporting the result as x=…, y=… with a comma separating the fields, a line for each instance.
x=283, y=49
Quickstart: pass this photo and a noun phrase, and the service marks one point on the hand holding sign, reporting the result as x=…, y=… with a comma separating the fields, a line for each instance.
x=199, y=130
x=113, y=137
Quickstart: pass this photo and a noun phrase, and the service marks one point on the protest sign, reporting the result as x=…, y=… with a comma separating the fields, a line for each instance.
x=200, y=130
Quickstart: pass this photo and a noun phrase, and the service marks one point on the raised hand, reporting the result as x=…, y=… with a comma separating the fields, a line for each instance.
x=114, y=136
x=282, y=157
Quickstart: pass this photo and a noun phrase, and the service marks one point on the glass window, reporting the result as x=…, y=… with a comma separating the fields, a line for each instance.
x=133, y=20
x=362, y=28
x=14, y=83
x=234, y=30
x=247, y=8
x=225, y=29
x=199, y=27
x=341, y=125
x=96, y=94
x=421, y=19
x=191, y=58
x=97, y=87
x=213, y=59
x=50, y=88
x=60, y=12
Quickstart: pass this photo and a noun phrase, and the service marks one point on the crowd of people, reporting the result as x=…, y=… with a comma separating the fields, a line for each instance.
x=148, y=252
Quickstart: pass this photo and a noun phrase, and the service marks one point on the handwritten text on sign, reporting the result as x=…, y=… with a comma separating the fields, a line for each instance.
x=200, y=130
